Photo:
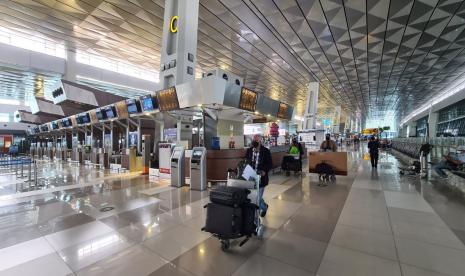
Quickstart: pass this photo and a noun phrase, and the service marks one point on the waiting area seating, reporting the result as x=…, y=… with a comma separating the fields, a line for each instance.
x=411, y=149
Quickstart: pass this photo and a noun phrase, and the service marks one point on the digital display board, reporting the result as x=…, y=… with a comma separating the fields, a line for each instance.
x=168, y=99
x=54, y=125
x=85, y=118
x=79, y=120
x=101, y=114
x=282, y=111
x=44, y=127
x=110, y=112
x=36, y=130
x=149, y=103
x=122, y=110
x=65, y=122
x=133, y=106
x=248, y=99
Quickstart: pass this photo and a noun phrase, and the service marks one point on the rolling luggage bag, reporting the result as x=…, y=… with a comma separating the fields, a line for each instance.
x=231, y=196
x=224, y=221
x=249, y=226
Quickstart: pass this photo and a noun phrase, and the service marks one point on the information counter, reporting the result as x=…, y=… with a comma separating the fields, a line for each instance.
x=219, y=161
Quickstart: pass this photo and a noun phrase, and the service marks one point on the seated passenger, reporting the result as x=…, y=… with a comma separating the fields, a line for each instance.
x=294, y=149
x=450, y=162
x=328, y=144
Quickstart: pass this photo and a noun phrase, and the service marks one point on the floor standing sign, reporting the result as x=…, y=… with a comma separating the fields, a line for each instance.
x=164, y=157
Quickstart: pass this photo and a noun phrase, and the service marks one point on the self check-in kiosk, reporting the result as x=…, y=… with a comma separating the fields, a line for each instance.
x=199, y=169
x=178, y=178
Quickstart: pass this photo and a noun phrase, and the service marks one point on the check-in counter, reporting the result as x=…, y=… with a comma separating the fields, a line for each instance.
x=95, y=158
x=104, y=160
x=219, y=161
x=131, y=161
x=77, y=156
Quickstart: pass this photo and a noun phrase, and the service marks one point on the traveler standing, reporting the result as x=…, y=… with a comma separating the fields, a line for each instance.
x=259, y=157
x=373, y=148
x=328, y=144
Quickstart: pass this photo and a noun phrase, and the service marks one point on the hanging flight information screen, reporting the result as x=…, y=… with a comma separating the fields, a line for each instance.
x=122, y=110
x=248, y=99
x=282, y=111
x=168, y=99
x=148, y=103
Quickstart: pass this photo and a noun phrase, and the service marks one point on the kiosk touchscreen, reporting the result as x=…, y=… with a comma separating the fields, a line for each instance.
x=178, y=178
x=199, y=169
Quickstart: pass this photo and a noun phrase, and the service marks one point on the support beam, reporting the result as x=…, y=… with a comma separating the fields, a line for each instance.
x=311, y=108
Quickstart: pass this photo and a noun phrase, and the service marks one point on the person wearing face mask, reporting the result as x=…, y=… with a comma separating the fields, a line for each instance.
x=328, y=144
x=259, y=157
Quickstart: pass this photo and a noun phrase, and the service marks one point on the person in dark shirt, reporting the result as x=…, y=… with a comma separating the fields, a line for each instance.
x=259, y=157
x=373, y=148
x=328, y=144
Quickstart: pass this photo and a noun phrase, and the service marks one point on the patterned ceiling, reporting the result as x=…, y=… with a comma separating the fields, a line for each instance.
x=370, y=56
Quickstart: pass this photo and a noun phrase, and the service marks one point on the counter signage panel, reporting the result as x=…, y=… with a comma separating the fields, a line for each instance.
x=101, y=114
x=149, y=103
x=261, y=120
x=79, y=119
x=54, y=125
x=122, y=110
x=168, y=99
x=110, y=112
x=85, y=118
x=73, y=120
x=36, y=130
x=133, y=106
x=248, y=99
x=44, y=128
x=282, y=111
x=93, y=116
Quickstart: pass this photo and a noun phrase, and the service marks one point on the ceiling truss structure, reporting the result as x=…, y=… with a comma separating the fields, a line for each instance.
x=370, y=56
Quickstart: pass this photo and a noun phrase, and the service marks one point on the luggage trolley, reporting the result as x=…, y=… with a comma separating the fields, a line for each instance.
x=254, y=197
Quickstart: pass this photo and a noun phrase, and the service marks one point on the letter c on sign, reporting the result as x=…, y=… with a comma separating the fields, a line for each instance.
x=174, y=24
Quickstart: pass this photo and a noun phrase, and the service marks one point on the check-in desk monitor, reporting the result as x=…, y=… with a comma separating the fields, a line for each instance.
x=199, y=169
x=178, y=178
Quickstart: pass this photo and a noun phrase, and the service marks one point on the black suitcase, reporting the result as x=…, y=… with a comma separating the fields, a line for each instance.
x=249, y=211
x=231, y=196
x=224, y=221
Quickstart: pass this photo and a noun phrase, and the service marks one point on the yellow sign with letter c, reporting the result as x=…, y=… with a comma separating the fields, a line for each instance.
x=174, y=24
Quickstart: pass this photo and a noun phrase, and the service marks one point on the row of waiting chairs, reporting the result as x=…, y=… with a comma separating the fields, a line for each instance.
x=408, y=148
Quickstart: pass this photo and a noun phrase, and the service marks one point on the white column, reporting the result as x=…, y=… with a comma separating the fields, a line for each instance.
x=311, y=108
x=70, y=70
x=179, y=43
x=432, y=124
x=336, y=119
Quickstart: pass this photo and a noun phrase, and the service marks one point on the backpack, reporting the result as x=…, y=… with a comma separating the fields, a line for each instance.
x=294, y=150
x=323, y=168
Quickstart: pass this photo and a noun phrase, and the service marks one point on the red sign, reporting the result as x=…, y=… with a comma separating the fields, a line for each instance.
x=165, y=170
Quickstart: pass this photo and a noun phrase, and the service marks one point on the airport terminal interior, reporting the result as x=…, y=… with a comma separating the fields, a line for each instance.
x=232, y=137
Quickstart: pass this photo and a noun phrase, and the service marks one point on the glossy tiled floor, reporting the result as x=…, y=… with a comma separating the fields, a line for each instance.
x=367, y=223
